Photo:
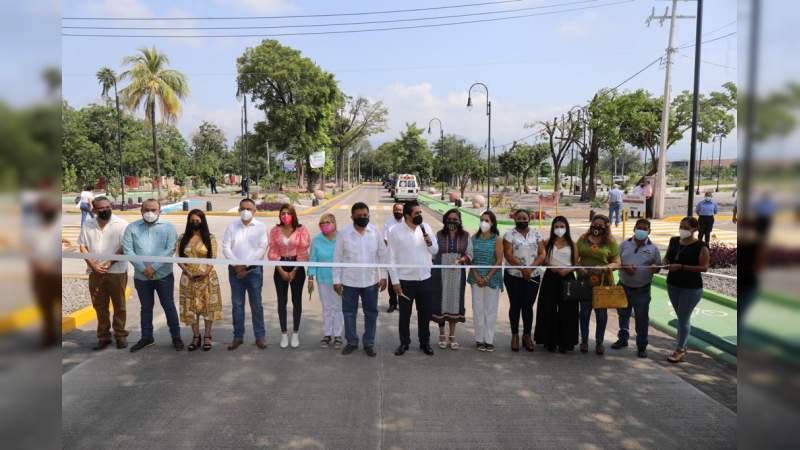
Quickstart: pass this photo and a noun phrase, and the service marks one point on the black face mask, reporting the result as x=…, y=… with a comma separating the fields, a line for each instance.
x=597, y=231
x=361, y=221
x=193, y=226
x=417, y=220
x=452, y=226
x=521, y=225
x=104, y=214
x=398, y=215
x=49, y=216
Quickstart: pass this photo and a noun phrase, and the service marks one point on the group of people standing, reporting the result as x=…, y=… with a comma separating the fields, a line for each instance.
x=534, y=268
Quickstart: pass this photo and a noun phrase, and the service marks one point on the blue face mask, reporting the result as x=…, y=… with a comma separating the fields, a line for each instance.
x=640, y=235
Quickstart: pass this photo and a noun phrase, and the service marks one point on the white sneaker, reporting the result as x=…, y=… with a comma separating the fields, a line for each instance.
x=295, y=340
x=284, y=340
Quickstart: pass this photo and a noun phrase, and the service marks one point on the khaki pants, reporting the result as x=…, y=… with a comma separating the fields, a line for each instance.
x=104, y=287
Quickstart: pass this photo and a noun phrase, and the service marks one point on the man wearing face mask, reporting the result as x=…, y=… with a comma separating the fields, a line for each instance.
x=397, y=218
x=360, y=243
x=107, y=279
x=411, y=243
x=640, y=260
x=152, y=237
x=246, y=239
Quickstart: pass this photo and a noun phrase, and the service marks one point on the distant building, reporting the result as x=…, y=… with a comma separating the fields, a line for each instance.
x=683, y=164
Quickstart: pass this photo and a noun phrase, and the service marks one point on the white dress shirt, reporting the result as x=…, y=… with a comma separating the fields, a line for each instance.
x=106, y=240
x=407, y=246
x=524, y=247
x=355, y=247
x=388, y=225
x=245, y=241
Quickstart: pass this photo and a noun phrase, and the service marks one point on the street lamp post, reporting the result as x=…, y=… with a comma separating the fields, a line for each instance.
x=719, y=161
x=441, y=140
x=488, y=142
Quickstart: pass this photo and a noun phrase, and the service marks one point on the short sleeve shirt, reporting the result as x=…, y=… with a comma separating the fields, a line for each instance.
x=524, y=247
x=597, y=255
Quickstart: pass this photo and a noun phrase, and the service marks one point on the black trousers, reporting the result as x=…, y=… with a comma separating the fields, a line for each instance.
x=419, y=292
x=648, y=207
x=392, y=294
x=521, y=296
x=282, y=287
x=704, y=225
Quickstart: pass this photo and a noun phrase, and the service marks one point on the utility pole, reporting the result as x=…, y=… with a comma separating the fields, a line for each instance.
x=244, y=149
x=695, y=106
x=661, y=174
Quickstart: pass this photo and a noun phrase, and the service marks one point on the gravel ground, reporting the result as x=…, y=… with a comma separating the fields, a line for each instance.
x=722, y=285
x=74, y=295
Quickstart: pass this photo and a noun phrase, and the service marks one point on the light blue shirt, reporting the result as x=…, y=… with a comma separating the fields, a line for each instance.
x=614, y=196
x=706, y=207
x=322, y=250
x=632, y=255
x=143, y=239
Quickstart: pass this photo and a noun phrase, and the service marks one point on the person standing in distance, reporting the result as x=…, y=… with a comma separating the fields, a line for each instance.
x=397, y=214
x=412, y=243
x=706, y=209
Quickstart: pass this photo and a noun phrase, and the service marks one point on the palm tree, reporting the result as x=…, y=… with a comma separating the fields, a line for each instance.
x=108, y=79
x=152, y=82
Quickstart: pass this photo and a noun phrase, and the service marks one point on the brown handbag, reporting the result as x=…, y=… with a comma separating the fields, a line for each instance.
x=611, y=296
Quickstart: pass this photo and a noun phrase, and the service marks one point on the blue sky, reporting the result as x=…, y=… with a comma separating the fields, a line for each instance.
x=535, y=67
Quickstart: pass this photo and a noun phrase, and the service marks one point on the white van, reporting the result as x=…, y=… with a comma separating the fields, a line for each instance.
x=406, y=187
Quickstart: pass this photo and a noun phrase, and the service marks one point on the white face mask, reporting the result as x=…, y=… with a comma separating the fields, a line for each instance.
x=246, y=215
x=685, y=234
x=485, y=226
x=150, y=217
x=559, y=231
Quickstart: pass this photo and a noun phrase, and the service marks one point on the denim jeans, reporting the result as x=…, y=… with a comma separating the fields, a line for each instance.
x=684, y=301
x=614, y=212
x=252, y=285
x=369, y=301
x=639, y=303
x=85, y=211
x=147, y=289
x=600, y=315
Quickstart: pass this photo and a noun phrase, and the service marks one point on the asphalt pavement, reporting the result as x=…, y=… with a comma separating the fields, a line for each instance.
x=316, y=398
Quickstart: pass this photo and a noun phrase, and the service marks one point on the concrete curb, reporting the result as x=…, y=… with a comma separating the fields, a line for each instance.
x=19, y=319
x=84, y=315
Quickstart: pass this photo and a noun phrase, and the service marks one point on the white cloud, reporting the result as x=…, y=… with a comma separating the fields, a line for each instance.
x=260, y=6
x=581, y=27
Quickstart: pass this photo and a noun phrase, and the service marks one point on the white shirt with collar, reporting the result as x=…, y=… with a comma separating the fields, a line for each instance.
x=524, y=247
x=359, y=248
x=245, y=241
x=105, y=240
x=407, y=246
x=388, y=225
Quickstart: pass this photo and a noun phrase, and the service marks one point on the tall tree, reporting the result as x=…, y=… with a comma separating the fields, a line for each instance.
x=560, y=135
x=414, y=155
x=151, y=84
x=108, y=80
x=355, y=120
x=207, y=150
x=456, y=158
x=299, y=98
x=529, y=157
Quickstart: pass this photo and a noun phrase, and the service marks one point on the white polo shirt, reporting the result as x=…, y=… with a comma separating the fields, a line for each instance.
x=105, y=240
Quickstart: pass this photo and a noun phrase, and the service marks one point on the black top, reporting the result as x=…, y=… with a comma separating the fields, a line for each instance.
x=688, y=255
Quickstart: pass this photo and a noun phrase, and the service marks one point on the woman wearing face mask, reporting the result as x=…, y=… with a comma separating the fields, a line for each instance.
x=487, y=250
x=199, y=285
x=322, y=248
x=556, y=318
x=686, y=258
x=289, y=241
x=522, y=247
x=449, y=284
x=597, y=247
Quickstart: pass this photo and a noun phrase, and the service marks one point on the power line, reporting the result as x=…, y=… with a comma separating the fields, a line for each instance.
x=362, y=13
x=369, y=22
x=708, y=41
x=637, y=73
x=365, y=30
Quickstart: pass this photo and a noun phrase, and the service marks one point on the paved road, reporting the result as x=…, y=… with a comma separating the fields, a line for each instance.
x=315, y=398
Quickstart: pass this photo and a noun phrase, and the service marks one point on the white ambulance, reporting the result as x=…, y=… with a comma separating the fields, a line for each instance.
x=406, y=187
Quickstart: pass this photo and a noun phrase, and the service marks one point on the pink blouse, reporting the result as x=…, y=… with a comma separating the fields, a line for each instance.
x=295, y=246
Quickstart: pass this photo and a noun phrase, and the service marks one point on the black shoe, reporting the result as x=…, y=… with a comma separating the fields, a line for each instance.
x=641, y=352
x=102, y=344
x=619, y=344
x=348, y=349
x=427, y=349
x=401, y=350
x=370, y=351
x=177, y=343
x=142, y=344
x=392, y=308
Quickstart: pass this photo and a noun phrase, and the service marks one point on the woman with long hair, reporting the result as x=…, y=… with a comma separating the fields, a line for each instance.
x=450, y=284
x=289, y=241
x=557, y=318
x=522, y=247
x=487, y=250
x=687, y=257
x=597, y=247
x=199, y=284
